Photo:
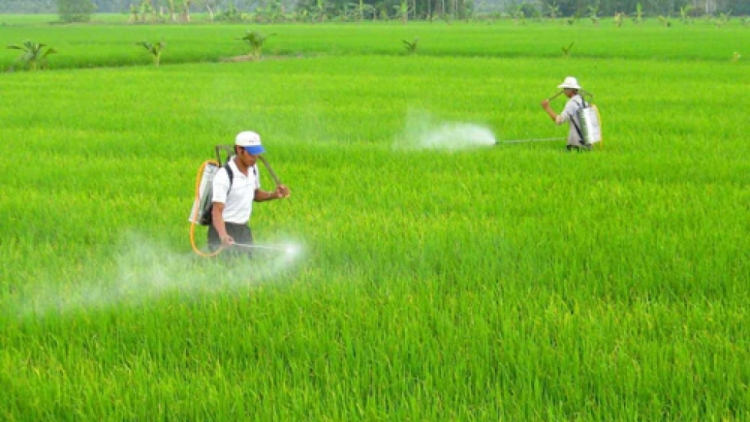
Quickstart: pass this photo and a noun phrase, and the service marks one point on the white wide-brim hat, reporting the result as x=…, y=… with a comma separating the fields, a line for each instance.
x=250, y=141
x=570, y=83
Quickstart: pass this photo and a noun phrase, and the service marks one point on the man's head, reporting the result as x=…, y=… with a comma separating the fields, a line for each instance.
x=570, y=86
x=250, y=142
x=247, y=148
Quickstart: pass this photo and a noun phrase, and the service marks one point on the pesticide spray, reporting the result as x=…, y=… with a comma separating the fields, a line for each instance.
x=424, y=133
x=145, y=271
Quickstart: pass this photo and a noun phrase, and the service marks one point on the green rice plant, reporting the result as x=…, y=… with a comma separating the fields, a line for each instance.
x=255, y=40
x=411, y=46
x=664, y=21
x=736, y=57
x=207, y=43
x=435, y=284
x=155, y=50
x=34, y=54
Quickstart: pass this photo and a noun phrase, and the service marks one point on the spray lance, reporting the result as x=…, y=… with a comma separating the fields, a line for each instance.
x=521, y=141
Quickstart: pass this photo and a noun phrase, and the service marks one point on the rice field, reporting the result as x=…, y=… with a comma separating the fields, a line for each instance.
x=439, y=277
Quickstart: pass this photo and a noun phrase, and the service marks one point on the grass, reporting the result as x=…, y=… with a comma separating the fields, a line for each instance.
x=514, y=282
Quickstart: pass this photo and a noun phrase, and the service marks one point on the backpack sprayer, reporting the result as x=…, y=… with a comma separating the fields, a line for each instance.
x=588, y=115
x=590, y=130
x=202, y=205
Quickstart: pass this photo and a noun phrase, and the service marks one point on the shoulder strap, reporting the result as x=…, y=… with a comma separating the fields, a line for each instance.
x=230, y=173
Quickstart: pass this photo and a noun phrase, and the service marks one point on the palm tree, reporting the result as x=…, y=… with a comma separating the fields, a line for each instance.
x=553, y=10
x=34, y=54
x=320, y=10
x=402, y=11
x=594, y=14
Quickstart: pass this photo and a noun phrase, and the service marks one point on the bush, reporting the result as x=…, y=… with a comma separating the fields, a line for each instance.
x=75, y=10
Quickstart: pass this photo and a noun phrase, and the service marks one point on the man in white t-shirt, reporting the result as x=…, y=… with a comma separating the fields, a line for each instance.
x=569, y=114
x=233, y=199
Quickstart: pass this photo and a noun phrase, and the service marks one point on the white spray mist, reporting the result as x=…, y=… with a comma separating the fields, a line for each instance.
x=145, y=272
x=423, y=132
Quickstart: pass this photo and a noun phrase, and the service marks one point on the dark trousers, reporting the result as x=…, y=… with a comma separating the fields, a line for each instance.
x=241, y=234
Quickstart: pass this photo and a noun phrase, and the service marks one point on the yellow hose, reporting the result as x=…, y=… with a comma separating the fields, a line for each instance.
x=194, y=217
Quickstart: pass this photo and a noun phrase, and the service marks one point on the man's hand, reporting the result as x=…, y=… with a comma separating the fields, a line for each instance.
x=282, y=191
x=227, y=241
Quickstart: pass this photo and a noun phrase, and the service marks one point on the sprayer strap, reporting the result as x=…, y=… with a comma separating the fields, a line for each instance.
x=230, y=173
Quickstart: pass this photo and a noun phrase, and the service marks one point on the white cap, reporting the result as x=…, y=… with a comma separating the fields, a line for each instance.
x=250, y=141
x=570, y=83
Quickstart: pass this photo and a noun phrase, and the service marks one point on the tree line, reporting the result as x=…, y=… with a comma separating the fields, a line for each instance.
x=320, y=10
